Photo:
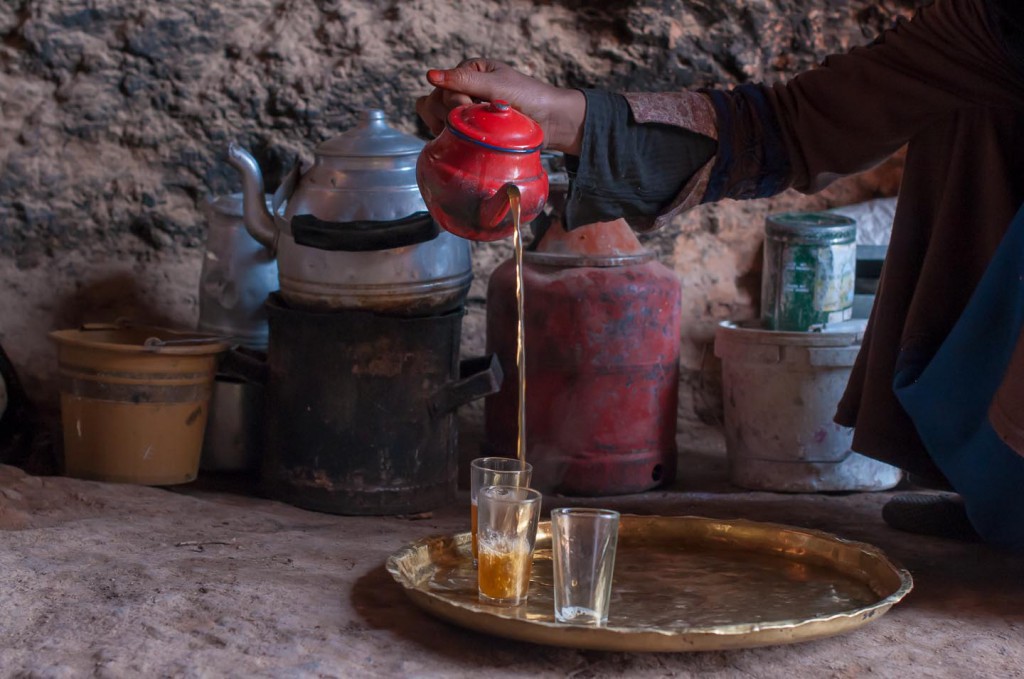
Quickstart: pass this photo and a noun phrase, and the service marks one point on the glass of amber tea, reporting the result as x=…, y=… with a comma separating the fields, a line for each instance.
x=494, y=471
x=507, y=532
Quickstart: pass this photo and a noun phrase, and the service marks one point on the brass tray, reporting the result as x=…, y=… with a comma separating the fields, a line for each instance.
x=681, y=584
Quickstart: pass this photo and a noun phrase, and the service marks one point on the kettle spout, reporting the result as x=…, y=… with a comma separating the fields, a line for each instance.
x=258, y=220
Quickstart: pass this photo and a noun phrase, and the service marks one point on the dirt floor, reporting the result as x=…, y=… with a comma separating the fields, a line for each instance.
x=209, y=580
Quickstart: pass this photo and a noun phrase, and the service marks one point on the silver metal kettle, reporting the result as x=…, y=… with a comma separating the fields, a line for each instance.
x=237, y=275
x=352, y=232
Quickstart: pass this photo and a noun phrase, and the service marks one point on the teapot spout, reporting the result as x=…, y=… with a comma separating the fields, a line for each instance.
x=258, y=220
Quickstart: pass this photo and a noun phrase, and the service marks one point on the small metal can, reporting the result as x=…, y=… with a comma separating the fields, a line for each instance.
x=810, y=261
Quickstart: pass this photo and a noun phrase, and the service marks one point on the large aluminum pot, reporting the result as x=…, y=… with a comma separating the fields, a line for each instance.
x=352, y=232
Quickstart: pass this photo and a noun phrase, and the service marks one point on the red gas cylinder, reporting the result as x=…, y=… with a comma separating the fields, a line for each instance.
x=602, y=362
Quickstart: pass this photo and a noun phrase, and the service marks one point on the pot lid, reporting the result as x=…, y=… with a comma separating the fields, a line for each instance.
x=496, y=125
x=365, y=174
x=821, y=228
x=371, y=137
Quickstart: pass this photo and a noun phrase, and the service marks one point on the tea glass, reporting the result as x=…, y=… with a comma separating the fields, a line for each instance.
x=494, y=471
x=507, y=535
x=583, y=545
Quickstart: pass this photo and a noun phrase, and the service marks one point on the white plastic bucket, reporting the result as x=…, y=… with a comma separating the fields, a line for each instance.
x=781, y=390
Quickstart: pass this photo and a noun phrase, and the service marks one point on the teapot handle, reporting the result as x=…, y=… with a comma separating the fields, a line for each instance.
x=363, y=236
x=494, y=209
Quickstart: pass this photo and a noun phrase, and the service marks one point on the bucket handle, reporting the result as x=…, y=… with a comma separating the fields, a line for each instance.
x=155, y=343
x=479, y=376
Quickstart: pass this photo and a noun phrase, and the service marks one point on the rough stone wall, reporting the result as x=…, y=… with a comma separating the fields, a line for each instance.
x=115, y=114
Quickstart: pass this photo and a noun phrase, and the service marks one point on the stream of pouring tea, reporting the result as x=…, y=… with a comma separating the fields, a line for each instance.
x=517, y=240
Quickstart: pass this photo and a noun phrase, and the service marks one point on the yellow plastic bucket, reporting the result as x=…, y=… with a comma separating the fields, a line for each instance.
x=134, y=402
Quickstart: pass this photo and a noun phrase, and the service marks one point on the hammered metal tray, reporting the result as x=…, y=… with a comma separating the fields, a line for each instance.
x=681, y=584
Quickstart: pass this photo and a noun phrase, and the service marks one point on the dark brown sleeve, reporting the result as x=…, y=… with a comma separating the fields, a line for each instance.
x=858, y=108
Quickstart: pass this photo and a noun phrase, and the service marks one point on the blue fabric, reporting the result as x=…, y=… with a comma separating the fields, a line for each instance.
x=948, y=397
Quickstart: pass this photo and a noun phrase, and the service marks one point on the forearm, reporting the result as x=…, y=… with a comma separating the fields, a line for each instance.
x=627, y=168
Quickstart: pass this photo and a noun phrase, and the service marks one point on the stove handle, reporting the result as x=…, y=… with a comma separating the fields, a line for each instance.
x=478, y=377
x=247, y=365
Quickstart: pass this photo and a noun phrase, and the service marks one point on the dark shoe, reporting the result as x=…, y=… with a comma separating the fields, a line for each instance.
x=940, y=516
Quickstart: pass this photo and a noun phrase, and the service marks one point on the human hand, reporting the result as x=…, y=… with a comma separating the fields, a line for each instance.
x=559, y=111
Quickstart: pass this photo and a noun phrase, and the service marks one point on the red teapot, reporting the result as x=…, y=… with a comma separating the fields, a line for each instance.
x=464, y=173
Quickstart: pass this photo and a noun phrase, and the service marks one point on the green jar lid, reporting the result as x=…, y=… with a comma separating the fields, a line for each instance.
x=816, y=228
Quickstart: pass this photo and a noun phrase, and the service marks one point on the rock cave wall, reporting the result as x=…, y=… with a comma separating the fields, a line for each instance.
x=115, y=116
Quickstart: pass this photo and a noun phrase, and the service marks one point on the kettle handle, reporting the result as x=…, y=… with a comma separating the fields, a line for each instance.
x=363, y=236
x=479, y=376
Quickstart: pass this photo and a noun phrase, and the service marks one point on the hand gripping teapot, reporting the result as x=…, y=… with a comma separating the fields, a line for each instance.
x=464, y=172
x=352, y=232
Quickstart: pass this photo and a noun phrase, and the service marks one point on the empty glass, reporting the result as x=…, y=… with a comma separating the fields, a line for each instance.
x=494, y=471
x=507, y=533
x=583, y=543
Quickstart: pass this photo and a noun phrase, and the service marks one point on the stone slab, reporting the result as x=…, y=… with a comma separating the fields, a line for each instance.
x=210, y=580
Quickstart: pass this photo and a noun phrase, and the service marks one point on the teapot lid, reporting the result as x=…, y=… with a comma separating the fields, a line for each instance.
x=367, y=173
x=371, y=137
x=496, y=125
